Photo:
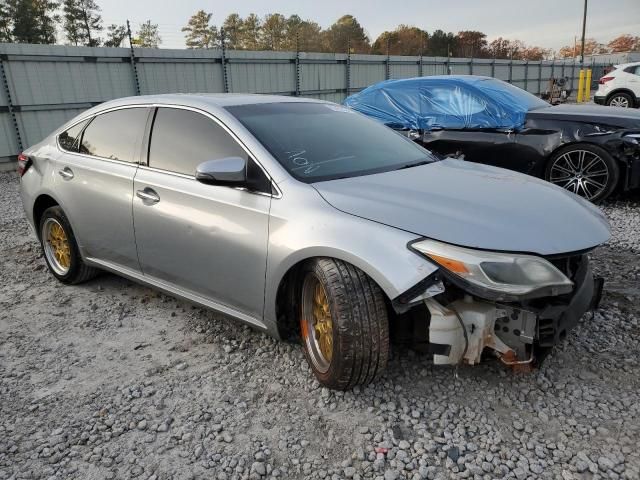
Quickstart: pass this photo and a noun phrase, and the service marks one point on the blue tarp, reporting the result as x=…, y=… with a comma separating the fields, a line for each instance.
x=446, y=101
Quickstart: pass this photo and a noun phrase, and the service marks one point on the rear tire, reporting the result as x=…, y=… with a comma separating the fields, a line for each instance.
x=61, y=249
x=584, y=169
x=340, y=300
x=621, y=99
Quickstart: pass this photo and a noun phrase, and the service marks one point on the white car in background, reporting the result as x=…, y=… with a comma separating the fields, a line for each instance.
x=620, y=87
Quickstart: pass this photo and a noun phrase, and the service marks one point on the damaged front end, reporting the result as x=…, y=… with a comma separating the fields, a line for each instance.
x=515, y=307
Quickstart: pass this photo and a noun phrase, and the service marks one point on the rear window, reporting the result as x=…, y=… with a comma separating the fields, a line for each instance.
x=322, y=141
x=115, y=135
x=515, y=95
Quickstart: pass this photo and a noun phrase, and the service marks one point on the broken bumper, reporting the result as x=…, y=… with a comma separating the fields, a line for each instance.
x=517, y=333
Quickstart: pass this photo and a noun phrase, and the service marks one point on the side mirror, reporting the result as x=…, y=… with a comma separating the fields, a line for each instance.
x=230, y=171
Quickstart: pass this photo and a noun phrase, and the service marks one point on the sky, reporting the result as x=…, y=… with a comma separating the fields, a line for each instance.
x=545, y=23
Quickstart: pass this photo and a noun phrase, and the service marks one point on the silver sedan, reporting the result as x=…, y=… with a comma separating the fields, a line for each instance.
x=307, y=220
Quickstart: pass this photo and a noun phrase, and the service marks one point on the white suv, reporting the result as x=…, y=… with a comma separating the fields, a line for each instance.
x=620, y=87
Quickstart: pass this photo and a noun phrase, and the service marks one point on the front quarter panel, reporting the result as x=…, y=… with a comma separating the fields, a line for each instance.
x=304, y=226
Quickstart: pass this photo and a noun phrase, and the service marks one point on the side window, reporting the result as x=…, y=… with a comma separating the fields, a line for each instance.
x=182, y=139
x=115, y=135
x=633, y=69
x=69, y=139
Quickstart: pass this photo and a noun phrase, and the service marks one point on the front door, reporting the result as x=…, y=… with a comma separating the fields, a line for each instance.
x=205, y=239
x=491, y=147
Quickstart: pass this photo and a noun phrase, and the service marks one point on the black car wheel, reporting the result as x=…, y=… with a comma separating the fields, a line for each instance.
x=586, y=170
x=344, y=324
x=621, y=99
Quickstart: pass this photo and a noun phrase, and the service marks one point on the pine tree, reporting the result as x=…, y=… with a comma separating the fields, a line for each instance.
x=91, y=21
x=115, y=35
x=71, y=22
x=250, y=32
x=274, y=30
x=233, y=31
x=148, y=36
x=199, y=33
x=5, y=23
x=33, y=21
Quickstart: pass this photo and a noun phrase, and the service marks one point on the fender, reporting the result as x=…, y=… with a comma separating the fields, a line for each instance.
x=320, y=230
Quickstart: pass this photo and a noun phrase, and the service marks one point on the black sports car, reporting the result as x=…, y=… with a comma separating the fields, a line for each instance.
x=589, y=150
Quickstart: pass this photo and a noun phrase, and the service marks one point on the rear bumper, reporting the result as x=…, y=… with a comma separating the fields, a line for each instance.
x=600, y=100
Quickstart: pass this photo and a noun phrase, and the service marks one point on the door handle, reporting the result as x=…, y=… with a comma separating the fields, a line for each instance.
x=148, y=196
x=66, y=173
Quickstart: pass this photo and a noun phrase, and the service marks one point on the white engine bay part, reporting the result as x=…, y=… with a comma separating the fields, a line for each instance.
x=469, y=326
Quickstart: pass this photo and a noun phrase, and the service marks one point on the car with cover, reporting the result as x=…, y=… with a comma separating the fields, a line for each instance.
x=305, y=219
x=586, y=149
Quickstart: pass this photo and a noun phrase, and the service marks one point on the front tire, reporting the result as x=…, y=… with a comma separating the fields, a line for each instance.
x=584, y=169
x=344, y=324
x=623, y=100
x=60, y=248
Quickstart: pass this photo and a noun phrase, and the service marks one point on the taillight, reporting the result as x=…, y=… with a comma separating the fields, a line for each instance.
x=24, y=163
x=604, y=80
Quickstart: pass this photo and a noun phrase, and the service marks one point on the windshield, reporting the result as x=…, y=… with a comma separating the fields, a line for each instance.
x=322, y=141
x=497, y=88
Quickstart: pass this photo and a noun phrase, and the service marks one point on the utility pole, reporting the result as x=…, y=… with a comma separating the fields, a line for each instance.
x=584, y=28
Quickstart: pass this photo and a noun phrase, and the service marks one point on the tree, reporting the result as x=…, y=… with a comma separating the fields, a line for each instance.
x=71, y=22
x=82, y=22
x=148, y=36
x=33, y=21
x=441, y=43
x=591, y=47
x=233, y=31
x=199, y=33
x=115, y=35
x=404, y=40
x=91, y=21
x=274, y=29
x=470, y=43
x=5, y=23
x=302, y=34
x=251, y=32
x=347, y=30
x=624, y=43
x=500, y=48
x=535, y=53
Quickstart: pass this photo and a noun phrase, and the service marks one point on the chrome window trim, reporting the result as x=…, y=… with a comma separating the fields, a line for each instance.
x=274, y=185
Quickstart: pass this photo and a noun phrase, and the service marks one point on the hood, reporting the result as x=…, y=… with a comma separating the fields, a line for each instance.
x=473, y=205
x=621, y=117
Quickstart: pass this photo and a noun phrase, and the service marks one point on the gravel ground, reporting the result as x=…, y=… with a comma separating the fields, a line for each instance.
x=113, y=380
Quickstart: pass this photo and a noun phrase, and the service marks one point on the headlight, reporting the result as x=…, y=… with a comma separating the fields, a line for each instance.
x=504, y=274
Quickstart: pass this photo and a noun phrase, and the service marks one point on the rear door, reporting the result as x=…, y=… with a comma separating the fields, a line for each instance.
x=94, y=183
x=633, y=79
x=204, y=239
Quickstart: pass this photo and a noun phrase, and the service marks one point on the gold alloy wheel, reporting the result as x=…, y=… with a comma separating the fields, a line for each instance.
x=56, y=246
x=316, y=323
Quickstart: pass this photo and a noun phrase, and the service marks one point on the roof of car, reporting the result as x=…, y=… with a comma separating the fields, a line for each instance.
x=625, y=65
x=204, y=99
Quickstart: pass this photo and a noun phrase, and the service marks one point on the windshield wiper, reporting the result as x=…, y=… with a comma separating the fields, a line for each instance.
x=414, y=164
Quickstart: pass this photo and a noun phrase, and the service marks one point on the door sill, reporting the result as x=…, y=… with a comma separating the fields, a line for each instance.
x=176, y=292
